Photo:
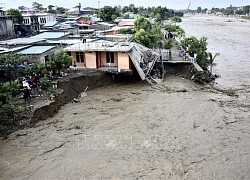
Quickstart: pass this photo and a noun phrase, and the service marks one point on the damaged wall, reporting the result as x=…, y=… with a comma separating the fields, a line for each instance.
x=184, y=69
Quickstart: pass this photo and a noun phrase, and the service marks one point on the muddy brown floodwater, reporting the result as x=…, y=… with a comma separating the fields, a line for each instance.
x=177, y=130
x=231, y=38
x=136, y=131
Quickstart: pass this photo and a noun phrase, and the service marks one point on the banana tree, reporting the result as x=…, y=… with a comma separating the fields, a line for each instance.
x=211, y=59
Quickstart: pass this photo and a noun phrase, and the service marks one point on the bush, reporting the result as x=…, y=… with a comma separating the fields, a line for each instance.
x=45, y=82
x=10, y=118
x=127, y=31
x=8, y=91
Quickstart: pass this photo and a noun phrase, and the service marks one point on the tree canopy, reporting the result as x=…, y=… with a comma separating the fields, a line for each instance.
x=107, y=12
x=143, y=37
x=199, y=47
x=176, y=19
x=160, y=13
x=51, y=9
x=147, y=34
x=142, y=23
x=17, y=16
x=37, y=6
x=12, y=59
x=59, y=60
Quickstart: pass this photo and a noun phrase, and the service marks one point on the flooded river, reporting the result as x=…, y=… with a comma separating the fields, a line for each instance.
x=231, y=38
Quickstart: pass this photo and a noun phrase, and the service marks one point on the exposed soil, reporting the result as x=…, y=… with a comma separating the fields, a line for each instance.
x=136, y=131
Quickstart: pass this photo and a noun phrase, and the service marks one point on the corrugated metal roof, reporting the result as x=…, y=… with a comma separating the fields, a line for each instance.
x=13, y=49
x=21, y=41
x=36, y=50
x=106, y=24
x=65, y=41
x=50, y=35
x=50, y=24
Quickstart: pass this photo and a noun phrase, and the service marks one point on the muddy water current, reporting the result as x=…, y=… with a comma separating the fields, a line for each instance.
x=231, y=38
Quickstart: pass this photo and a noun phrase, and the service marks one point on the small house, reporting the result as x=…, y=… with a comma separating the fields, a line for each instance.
x=114, y=57
x=38, y=54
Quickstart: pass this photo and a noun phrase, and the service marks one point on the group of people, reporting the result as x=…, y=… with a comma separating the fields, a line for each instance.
x=29, y=86
x=187, y=57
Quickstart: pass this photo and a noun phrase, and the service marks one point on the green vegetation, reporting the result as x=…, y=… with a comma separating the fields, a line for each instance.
x=10, y=117
x=45, y=82
x=160, y=13
x=147, y=34
x=37, y=6
x=108, y=13
x=142, y=23
x=11, y=113
x=169, y=43
x=211, y=59
x=59, y=61
x=17, y=16
x=61, y=10
x=229, y=11
x=32, y=70
x=127, y=31
x=10, y=61
x=51, y=9
x=143, y=37
x=176, y=19
x=199, y=47
x=246, y=17
x=9, y=90
x=176, y=30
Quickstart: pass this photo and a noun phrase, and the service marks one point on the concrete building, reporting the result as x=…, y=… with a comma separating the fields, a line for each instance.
x=115, y=58
x=36, y=18
x=6, y=27
x=38, y=54
x=101, y=56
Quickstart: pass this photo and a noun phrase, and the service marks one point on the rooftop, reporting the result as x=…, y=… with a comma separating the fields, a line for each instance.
x=65, y=41
x=36, y=50
x=50, y=24
x=21, y=41
x=126, y=22
x=106, y=24
x=13, y=49
x=101, y=46
x=50, y=35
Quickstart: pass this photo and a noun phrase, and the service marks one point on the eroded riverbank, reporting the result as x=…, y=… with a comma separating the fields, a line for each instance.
x=177, y=129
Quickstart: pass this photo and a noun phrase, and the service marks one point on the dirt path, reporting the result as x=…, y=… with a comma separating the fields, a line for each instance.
x=135, y=131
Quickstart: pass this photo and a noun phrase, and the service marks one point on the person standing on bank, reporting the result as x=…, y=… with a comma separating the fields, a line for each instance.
x=26, y=94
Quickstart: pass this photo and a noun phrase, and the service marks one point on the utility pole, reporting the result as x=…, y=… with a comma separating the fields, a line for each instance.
x=161, y=59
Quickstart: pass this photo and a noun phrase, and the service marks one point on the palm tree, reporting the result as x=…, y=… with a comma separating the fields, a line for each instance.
x=211, y=59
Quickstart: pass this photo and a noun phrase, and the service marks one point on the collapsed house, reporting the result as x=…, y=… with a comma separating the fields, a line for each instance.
x=115, y=58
